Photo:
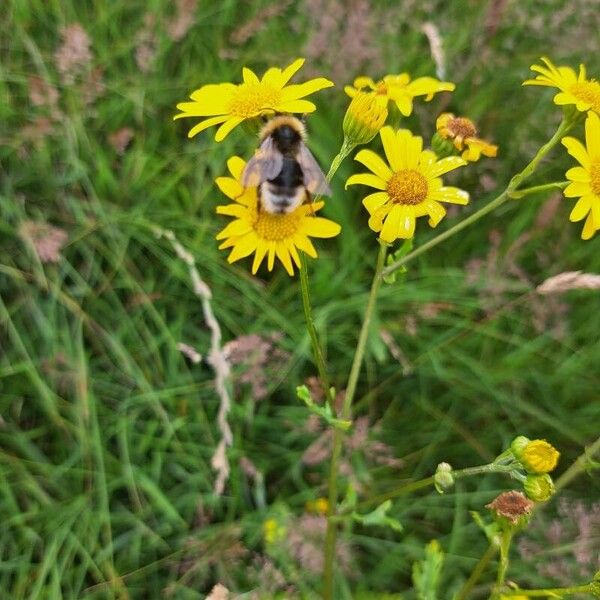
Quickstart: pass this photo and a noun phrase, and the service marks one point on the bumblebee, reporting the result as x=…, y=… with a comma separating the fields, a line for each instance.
x=283, y=168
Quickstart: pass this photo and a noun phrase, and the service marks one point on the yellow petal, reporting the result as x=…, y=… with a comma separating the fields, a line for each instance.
x=596, y=212
x=389, y=231
x=588, y=228
x=364, y=82
x=375, y=201
x=296, y=106
x=233, y=210
x=294, y=92
x=271, y=256
x=435, y=211
x=237, y=227
x=206, y=124
x=428, y=86
x=445, y=165
x=450, y=194
x=291, y=70
x=249, y=76
x=367, y=179
x=581, y=208
x=578, y=174
x=577, y=189
x=230, y=187
x=375, y=163
x=214, y=95
x=320, y=227
x=261, y=250
x=272, y=77
x=284, y=256
x=350, y=91
x=303, y=243
x=577, y=150
x=404, y=104
x=406, y=223
x=390, y=147
x=236, y=165
x=292, y=250
x=376, y=219
x=592, y=135
x=244, y=247
x=226, y=128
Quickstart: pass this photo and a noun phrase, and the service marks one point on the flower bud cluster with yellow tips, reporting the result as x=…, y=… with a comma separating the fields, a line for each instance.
x=538, y=458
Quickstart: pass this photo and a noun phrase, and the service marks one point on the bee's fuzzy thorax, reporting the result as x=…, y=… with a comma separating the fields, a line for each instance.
x=279, y=121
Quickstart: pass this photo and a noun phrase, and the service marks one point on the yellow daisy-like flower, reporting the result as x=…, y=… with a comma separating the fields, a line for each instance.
x=227, y=104
x=574, y=88
x=400, y=89
x=538, y=456
x=255, y=231
x=585, y=179
x=410, y=184
x=462, y=132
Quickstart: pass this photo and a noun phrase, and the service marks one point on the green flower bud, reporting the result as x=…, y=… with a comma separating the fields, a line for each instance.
x=539, y=488
x=443, y=478
x=364, y=118
x=518, y=445
x=442, y=147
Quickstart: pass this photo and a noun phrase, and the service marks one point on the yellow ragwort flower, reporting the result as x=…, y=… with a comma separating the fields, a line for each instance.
x=574, y=89
x=228, y=104
x=538, y=456
x=410, y=184
x=273, y=531
x=585, y=179
x=320, y=506
x=462, y=132
x=400, y=89
x=255, y=231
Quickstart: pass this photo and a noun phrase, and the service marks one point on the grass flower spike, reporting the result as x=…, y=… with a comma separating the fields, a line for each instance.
x=462, y=132
x=409, y=185
x=227, y=104
x=400, y=89
x=574, y=88
x=585, y=179
x=258, y=232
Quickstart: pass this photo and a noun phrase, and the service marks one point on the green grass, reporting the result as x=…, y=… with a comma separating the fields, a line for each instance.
x=107, y=431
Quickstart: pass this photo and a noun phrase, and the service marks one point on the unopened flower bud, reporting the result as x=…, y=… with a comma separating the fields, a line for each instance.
x=518, y=445
x=539, y=487
x=538, y=456
x=364, y=118
x=443, y=478
x=442, y=147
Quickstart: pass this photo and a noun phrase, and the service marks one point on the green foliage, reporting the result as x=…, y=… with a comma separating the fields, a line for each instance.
x=426, y=573
x=107, y=430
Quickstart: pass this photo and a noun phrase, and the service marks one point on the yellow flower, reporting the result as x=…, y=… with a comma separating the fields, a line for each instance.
x=585, y=179
x=410, y=184
x=364, y=118
x=538, y=456
x=400, y=89
x=463, y=134
x=255, y=231
x=574, y=89
x=320, y=506
x=229, y=104
x=273, y=531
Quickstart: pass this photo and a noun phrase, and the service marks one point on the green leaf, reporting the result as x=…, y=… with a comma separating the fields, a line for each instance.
x=392, y=258
x=322, y=411
x=379, y=517
x=426, y=573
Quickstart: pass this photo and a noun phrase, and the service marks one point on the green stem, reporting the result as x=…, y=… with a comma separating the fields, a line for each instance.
x=578, y=589
x=498, y=201
x=579, y=466
x=505, y=541
x=312, y=332
x=536, y=189
x=338, y=435
x=477, y=572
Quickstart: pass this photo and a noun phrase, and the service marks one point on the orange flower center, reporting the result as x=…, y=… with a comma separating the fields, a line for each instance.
x=595, y=177
x=407, y=186
x=462, y=127
x=275, y=228
x=252, y=99
x=589, y=92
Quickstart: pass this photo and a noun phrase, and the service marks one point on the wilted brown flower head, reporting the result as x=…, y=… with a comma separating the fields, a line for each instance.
x=45, y=239
x=512, y=506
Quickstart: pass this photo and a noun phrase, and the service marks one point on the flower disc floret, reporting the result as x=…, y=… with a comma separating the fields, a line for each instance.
x=574, y=88
x=409, y=185
x=255, y=231
x=227, y=104
x=585, y=178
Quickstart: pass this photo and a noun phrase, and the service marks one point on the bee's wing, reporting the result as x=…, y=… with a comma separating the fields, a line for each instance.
x=265, y=164
x=314, y=180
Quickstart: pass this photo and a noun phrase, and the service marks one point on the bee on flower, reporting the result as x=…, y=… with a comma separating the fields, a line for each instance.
x=460, y=133
x=228, y=104
x=400, y=89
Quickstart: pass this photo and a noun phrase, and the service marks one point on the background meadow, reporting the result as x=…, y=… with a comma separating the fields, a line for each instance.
x=107, y=428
